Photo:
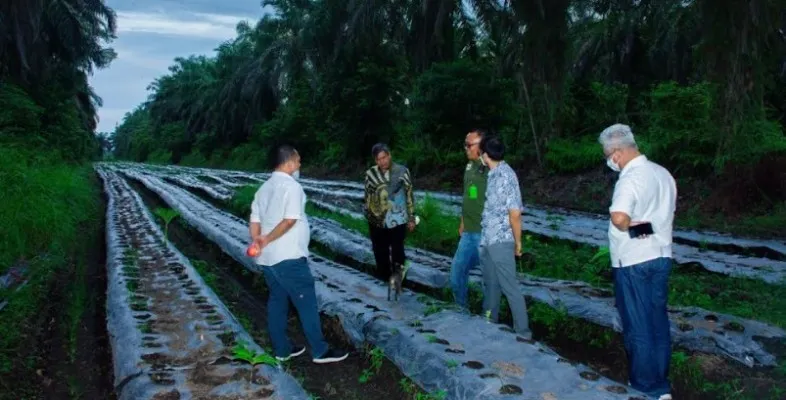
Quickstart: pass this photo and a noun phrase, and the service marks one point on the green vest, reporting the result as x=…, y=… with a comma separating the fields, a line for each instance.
x=475, y=176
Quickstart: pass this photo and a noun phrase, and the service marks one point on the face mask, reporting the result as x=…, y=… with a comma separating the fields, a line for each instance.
x=482, y=160
x=296, y=174
x=611, y=164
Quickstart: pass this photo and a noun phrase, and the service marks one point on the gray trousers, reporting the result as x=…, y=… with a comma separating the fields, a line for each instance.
x=499, y=277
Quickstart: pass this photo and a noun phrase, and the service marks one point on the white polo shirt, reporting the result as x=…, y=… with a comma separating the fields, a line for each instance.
x=646, y=192
x=281, y=197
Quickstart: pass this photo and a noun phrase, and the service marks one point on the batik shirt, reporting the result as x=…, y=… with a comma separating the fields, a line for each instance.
x=388, y=198
x=502, y=194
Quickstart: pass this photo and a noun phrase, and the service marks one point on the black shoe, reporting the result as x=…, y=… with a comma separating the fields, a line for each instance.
x=296, y=351
x=331, y=356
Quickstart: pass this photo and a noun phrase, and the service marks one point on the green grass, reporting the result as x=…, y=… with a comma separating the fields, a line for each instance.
x=45, y=206
x=43, y=203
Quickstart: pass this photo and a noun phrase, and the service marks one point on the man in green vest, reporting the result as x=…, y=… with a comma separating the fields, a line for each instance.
x=466, y=257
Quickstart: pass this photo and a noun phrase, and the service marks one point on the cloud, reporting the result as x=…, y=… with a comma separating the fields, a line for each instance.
x=142, y=59
x=204, y=25
x=150, y=34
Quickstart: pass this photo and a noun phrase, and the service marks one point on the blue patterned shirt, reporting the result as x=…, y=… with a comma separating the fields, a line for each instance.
x=502, y=194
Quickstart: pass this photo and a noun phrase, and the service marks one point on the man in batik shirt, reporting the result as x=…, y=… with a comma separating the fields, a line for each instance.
x=390, y=210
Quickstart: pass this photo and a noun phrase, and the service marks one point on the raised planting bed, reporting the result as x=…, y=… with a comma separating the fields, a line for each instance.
x=693, y=328
x=583, y=220
x=463, y=355
x=171, y=337
x=742, y=340
x=771, y=269
x=738, y=257
x=366, y=374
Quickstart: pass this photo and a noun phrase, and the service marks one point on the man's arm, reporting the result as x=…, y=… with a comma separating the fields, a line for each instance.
x=254, y=226
x=620, y=220
x=410, y=200
x=622, y=203
x=293, y=200
x=515, y=206
x=367, y=194
x=515, y=224
x=283, y=227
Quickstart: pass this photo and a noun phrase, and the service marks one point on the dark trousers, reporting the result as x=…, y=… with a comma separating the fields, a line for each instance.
x=292, y=280
x=641, y=293
x=388, y=246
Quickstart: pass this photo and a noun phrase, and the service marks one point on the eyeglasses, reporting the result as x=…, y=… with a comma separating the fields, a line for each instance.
x=468, y=145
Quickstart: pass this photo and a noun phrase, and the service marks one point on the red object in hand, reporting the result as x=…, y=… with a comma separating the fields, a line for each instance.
x=253, y=250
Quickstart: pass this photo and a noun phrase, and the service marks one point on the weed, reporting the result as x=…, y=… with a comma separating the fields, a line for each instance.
x=243, y=353
x=410, y=388
x=167, y=215
x=376, y=356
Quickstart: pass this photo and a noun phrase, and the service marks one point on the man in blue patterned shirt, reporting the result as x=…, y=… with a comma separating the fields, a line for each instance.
x=500, y=241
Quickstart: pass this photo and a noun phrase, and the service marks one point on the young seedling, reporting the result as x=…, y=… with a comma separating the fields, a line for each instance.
x=243, y=353
x=167, y=215
x=376, y=355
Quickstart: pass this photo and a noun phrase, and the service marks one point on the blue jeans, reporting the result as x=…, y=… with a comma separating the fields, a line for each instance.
x=466, y=258
x=642, y=292
x=292, y=280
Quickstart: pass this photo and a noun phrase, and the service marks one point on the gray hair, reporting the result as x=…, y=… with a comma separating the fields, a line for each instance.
x=617, y=136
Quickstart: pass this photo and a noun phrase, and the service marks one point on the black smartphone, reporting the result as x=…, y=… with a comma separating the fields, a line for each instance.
x=639, y=230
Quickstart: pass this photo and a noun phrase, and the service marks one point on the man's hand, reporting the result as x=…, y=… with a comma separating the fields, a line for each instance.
x=261, y=241
x=634, y=223
x=517, y=252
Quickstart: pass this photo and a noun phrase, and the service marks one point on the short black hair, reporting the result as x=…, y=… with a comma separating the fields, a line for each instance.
x=283, y=153
x=493, y=147
x=379, y=148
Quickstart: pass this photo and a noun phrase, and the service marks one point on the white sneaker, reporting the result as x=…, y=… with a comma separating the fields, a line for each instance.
x=665, y=397
x=295, y=352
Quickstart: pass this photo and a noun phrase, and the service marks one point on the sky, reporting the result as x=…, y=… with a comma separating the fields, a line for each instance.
x=150, y=35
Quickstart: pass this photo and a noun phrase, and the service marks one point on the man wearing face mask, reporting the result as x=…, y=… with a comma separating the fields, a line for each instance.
x=279, y=226
x=390, y=210
x=500, y=239
x=645, y=196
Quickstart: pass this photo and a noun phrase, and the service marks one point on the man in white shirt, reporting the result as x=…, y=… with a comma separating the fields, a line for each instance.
x=645, y=193
x=279, y=226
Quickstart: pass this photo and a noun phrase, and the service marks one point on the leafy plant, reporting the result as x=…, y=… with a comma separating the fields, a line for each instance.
x=167, y=215
x=243, y=353
x=376, y=356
